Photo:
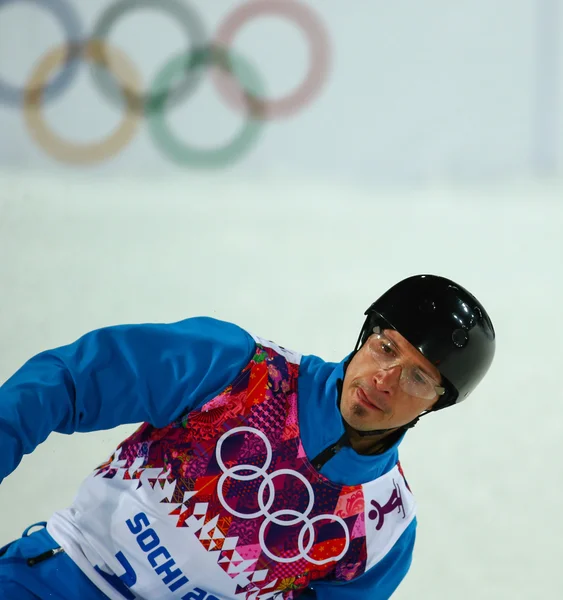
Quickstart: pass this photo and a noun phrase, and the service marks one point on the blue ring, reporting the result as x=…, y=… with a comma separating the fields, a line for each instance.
x=71, y=24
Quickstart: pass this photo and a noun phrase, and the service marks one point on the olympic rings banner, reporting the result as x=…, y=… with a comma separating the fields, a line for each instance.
x=117, y=78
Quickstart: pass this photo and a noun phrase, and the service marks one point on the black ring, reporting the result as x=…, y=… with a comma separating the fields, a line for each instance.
x=194, y=27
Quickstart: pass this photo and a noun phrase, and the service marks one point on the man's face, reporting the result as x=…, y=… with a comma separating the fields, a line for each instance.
x=372, y=397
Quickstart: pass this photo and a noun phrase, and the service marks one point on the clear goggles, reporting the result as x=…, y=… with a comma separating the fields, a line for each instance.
x=414, y=381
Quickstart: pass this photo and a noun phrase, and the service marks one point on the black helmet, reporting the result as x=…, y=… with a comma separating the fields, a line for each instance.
x=446, y=323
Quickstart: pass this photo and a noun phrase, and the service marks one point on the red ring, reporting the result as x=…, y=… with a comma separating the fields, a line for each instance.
x=319, y=47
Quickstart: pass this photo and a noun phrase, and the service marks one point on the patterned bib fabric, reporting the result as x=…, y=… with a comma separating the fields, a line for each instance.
x=224, y=503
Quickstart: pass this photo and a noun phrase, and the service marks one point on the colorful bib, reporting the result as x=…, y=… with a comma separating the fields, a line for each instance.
x=224, y=504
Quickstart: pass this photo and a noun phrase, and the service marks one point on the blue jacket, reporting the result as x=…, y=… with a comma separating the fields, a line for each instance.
x=155, y=373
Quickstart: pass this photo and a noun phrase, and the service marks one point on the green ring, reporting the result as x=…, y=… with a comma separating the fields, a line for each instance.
x=179, y=151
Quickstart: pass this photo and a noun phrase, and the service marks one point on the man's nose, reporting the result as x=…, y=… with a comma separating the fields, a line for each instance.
x=387, y=380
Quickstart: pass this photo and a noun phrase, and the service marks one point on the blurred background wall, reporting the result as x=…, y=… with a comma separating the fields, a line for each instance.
x=279, y=165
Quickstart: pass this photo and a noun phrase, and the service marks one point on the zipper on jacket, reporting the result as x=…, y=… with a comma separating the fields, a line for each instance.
x=323, y=457
x=45, y=556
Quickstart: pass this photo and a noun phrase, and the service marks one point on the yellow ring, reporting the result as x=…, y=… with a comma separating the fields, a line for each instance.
x=69, y=152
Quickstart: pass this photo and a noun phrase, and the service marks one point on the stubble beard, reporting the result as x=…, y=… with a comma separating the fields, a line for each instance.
x=357, y=413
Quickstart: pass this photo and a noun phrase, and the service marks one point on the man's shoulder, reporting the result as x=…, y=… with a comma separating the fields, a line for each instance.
x=228, y=333
x=215, y=329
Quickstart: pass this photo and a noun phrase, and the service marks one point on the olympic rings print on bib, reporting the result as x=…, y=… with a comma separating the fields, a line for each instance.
x=117, y=79
x=266, y=505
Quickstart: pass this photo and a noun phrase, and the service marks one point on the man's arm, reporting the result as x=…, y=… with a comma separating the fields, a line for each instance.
x=380, y=582
x=116, y=376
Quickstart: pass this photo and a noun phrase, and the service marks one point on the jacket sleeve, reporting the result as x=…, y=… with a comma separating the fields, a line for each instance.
x=115, y=376
x=380, y=582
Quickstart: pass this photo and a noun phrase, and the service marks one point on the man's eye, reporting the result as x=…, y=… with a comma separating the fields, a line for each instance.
x=419, y=378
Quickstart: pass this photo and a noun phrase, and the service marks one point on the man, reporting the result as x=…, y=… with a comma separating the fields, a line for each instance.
x=257, y=472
